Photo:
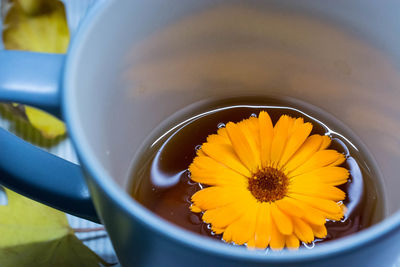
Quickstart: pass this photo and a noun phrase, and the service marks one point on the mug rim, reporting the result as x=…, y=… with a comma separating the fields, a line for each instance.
x=159, y=225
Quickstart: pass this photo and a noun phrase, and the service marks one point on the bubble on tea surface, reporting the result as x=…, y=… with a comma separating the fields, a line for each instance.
x=221, y=125
x=309, y=245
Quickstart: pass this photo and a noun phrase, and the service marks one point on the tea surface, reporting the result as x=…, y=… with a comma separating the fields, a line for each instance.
x=161, y=181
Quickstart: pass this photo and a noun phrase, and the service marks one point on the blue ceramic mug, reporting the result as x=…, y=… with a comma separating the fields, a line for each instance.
x=134, y=63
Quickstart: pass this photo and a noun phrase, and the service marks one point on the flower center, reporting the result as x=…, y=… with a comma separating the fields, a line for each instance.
x=268, y=185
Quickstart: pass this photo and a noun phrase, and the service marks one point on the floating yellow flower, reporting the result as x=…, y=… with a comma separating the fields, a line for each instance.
x=268, y=185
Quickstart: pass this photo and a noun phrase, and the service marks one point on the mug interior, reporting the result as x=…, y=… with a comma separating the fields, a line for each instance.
x=154, y=58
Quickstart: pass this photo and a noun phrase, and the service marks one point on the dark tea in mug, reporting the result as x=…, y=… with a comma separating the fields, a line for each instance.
x=162, y=181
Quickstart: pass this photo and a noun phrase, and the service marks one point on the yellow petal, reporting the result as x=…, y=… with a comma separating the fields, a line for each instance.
x=339, y=215
x=281, y=132
x=326, y=142
x=311, y=215
x=326, y=175
x=223, y=216
x=263, y=227
x=324, y=205
x=283, y=222
x=216, y=196
x=292, y=242
x=277, y=239
x=217, y=139
x=200, y=153
x=303, y=230
x=253, y=128
x=218, y=177
x=319, y=230
x=207, y=171
x=290, y=207
x=251, y=244
x=266, y=135
x=334, y=216
x=217, y=231
x=320, y=159
x=242, y=230
x=310, y=146
x=300, y=133
x=195, y=209
x=297, y=122
x=220, y=138
x=224, y=133
x=338, y=162
x=318, y=190
x=226, y=155
x=242, y=147
x=291, y=125
x=343, y=207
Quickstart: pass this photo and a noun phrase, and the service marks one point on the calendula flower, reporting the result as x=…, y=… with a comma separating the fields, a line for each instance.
x=268, y=185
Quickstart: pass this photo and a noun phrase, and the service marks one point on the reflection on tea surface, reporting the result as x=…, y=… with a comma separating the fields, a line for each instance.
x=161, y=181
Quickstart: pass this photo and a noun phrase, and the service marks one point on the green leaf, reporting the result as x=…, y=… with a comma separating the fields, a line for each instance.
x=33, y=234
x=39, y=26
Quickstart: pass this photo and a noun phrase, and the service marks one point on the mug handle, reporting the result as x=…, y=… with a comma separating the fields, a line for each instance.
x=34, y=79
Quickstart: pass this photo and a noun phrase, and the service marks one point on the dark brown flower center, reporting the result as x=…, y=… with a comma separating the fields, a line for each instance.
x=268, y=185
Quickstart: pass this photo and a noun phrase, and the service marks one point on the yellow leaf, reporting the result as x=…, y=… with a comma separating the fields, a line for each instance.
x=32, y=7
x=33, y=234
x=53, y=253
x=45, y=31
x=27, y=221
x=49, y=126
